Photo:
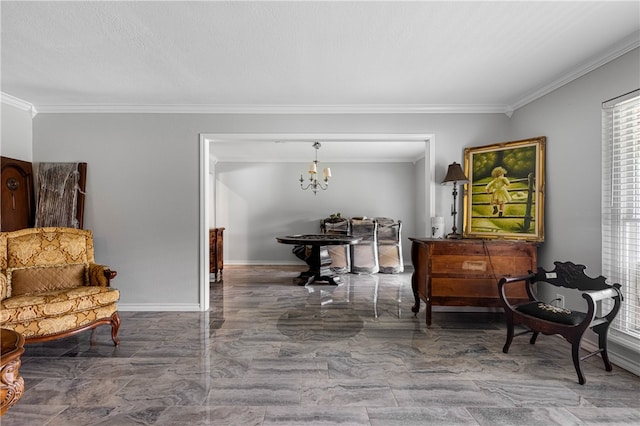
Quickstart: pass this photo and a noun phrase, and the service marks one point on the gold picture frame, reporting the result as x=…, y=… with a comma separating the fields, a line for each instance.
x=505, y=194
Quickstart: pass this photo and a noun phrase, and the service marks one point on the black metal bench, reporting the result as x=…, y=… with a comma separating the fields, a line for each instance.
x=540, y=317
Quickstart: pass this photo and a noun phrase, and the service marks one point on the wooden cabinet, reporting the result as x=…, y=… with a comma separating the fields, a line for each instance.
x=18, y=201
x=466, y=272
x=216, y=255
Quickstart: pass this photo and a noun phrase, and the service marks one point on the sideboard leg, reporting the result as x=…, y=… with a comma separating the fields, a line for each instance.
x=414, y=286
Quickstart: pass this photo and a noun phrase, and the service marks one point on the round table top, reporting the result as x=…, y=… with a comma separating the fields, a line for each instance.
x=319, y=239
x=12, y=345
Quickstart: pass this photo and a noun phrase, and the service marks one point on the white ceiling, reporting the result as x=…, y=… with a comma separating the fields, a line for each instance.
x=304, y=56
x=491, y=55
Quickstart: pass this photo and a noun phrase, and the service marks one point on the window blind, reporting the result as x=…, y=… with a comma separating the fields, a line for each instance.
x=621, y=206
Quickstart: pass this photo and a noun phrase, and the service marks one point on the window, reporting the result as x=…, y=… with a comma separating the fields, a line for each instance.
x=621, y=206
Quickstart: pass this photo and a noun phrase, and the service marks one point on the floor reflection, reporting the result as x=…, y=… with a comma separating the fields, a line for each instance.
x=271, y=352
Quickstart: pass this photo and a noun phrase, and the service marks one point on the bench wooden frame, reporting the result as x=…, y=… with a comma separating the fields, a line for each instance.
x=568, y=275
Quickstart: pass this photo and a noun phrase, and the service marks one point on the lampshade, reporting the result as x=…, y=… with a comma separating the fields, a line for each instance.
x=455, y=174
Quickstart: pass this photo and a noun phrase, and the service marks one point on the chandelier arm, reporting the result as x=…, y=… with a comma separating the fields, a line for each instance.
x=314, y=184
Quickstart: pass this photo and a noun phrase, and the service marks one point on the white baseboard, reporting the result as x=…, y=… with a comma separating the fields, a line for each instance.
x=263, y=262
x=407, y=268
x=159, y=307
x=632, y=365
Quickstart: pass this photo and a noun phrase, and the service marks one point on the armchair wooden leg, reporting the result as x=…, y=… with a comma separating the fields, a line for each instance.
x=602, y=330
x=575, y=352
x=115, y=326
x=534, y=337
x=505, y=348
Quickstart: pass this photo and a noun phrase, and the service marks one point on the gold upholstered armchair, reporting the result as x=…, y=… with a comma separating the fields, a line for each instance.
x=51, y=287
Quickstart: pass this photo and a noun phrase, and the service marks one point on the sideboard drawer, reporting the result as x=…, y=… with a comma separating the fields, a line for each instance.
x=472, y=288
x=474, y=266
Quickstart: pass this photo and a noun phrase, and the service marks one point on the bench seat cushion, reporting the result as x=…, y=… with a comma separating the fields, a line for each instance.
x=55, y=311
x=552, y=313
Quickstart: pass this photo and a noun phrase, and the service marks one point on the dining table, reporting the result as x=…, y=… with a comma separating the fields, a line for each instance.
x=313, y=249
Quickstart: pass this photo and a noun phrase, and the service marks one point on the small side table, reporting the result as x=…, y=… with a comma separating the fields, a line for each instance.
x=11, y=384
x=319, y=260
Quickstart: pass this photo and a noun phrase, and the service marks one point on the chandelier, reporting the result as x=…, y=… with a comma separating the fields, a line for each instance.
x=314, y=184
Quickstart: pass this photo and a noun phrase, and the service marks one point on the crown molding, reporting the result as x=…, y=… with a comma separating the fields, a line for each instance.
x=625, y=46
x=18, y=103
x=275, y=109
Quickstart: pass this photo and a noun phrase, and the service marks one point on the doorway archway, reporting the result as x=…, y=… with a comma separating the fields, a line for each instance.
x=207, y=158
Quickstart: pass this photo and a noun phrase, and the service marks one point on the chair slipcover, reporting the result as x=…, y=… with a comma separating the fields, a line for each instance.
x=340, y=254
x=364, y=254
x=390, y=245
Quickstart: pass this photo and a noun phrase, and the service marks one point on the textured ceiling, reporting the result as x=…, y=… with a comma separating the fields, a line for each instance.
x=304, y=56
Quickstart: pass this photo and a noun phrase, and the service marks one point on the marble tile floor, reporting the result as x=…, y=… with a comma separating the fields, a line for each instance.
x=271, y=352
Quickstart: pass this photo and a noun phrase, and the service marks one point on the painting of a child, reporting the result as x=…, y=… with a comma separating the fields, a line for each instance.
x=499, y=207
x=498, y=188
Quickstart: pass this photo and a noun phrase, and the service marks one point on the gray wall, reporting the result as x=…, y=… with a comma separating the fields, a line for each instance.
x=16, y=139
x=143, y=181
x=422, y=222
x=570, y=118
x=258, y=201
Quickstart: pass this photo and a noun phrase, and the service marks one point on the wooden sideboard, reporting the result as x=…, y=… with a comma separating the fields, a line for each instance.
x=466, y=272
x=216, y=254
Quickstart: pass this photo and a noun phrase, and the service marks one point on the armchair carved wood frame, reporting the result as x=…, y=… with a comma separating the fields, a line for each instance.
x=113, y=321
x=539, y=317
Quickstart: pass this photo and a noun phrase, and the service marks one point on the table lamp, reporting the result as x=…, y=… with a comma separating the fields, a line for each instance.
x=454, y=175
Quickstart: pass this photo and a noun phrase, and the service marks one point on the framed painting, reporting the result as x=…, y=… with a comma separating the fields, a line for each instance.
x=505, y=194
